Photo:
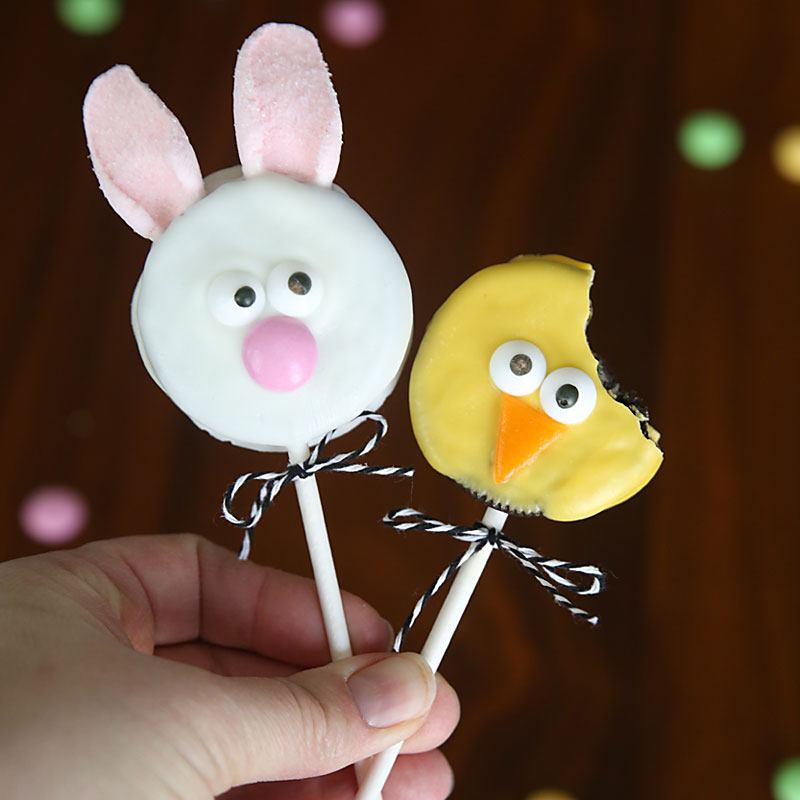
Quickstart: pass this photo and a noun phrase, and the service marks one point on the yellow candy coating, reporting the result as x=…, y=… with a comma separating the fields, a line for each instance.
x=455, y=404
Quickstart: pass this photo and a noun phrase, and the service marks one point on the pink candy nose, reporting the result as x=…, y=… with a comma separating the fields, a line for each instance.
x=280, y=353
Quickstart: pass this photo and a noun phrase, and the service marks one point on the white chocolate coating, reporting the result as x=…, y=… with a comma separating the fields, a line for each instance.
x=362, y=325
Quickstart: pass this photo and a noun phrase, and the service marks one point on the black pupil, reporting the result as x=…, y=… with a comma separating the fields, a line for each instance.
x=299, y=283
x=566, y=395
x=520, y=364
x=245, y=296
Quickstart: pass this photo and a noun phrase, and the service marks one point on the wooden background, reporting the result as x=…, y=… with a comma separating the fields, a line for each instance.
x=474, y=132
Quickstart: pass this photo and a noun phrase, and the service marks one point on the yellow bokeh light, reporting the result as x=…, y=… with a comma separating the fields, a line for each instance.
x=786, y=153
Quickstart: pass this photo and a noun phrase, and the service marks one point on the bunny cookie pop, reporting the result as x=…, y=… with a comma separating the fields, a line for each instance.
x=271, y=308
x=507, y=399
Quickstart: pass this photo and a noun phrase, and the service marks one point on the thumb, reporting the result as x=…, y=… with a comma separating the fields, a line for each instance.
x=320, y=720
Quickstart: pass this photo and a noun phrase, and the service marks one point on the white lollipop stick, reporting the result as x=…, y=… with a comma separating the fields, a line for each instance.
x=436, y=645
x=319, y=551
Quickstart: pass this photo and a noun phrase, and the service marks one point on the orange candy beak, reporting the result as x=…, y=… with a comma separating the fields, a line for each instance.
x=524, y=433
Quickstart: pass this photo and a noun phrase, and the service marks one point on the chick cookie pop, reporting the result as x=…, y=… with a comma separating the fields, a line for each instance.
x=507, y=399
x=506, y=396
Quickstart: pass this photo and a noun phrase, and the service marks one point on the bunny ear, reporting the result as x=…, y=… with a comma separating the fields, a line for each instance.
x=140, y=153
x=284, y=106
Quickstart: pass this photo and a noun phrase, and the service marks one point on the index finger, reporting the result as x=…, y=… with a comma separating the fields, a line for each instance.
x=179, y=588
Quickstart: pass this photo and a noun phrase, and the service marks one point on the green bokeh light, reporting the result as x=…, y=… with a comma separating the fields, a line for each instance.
x=89, y=17
x=710, y=139
x=786, y=781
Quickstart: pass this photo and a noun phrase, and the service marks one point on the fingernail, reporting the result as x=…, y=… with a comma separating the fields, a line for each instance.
x=397, y=689
x=389, y=633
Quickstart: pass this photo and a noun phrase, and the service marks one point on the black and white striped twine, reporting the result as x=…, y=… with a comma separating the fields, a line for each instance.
x=273, y=482
x=552, y=573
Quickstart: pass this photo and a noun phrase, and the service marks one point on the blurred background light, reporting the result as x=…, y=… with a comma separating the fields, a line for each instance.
x=710, y=139
x=53, y=515
x=786, y=782
x=354, y=23
x=786, y=153
x=89, y=17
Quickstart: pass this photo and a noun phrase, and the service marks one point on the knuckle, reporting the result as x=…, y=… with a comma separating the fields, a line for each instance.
x=321, y=725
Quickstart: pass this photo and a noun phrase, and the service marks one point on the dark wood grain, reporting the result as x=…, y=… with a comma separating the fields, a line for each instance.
x=474, y=132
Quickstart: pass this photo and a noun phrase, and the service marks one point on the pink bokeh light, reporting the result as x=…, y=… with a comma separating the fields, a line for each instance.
x=354, y=23
x=53, y=515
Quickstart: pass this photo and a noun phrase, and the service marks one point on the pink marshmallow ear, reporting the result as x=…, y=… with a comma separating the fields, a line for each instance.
x=141, y=155
x=284, y=106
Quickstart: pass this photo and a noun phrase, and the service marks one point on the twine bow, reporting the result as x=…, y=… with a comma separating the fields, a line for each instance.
x=553, y=574
x=273, y=482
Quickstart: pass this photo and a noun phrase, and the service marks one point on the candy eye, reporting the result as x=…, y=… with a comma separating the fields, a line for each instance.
x=517, y=367
x=293, y=288
x=236, y=297
x=568, y=395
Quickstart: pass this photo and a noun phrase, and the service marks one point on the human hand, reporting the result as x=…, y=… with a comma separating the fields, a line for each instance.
x=236, y=694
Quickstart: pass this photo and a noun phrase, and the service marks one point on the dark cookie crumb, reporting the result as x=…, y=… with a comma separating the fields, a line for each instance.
x=628, y=398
